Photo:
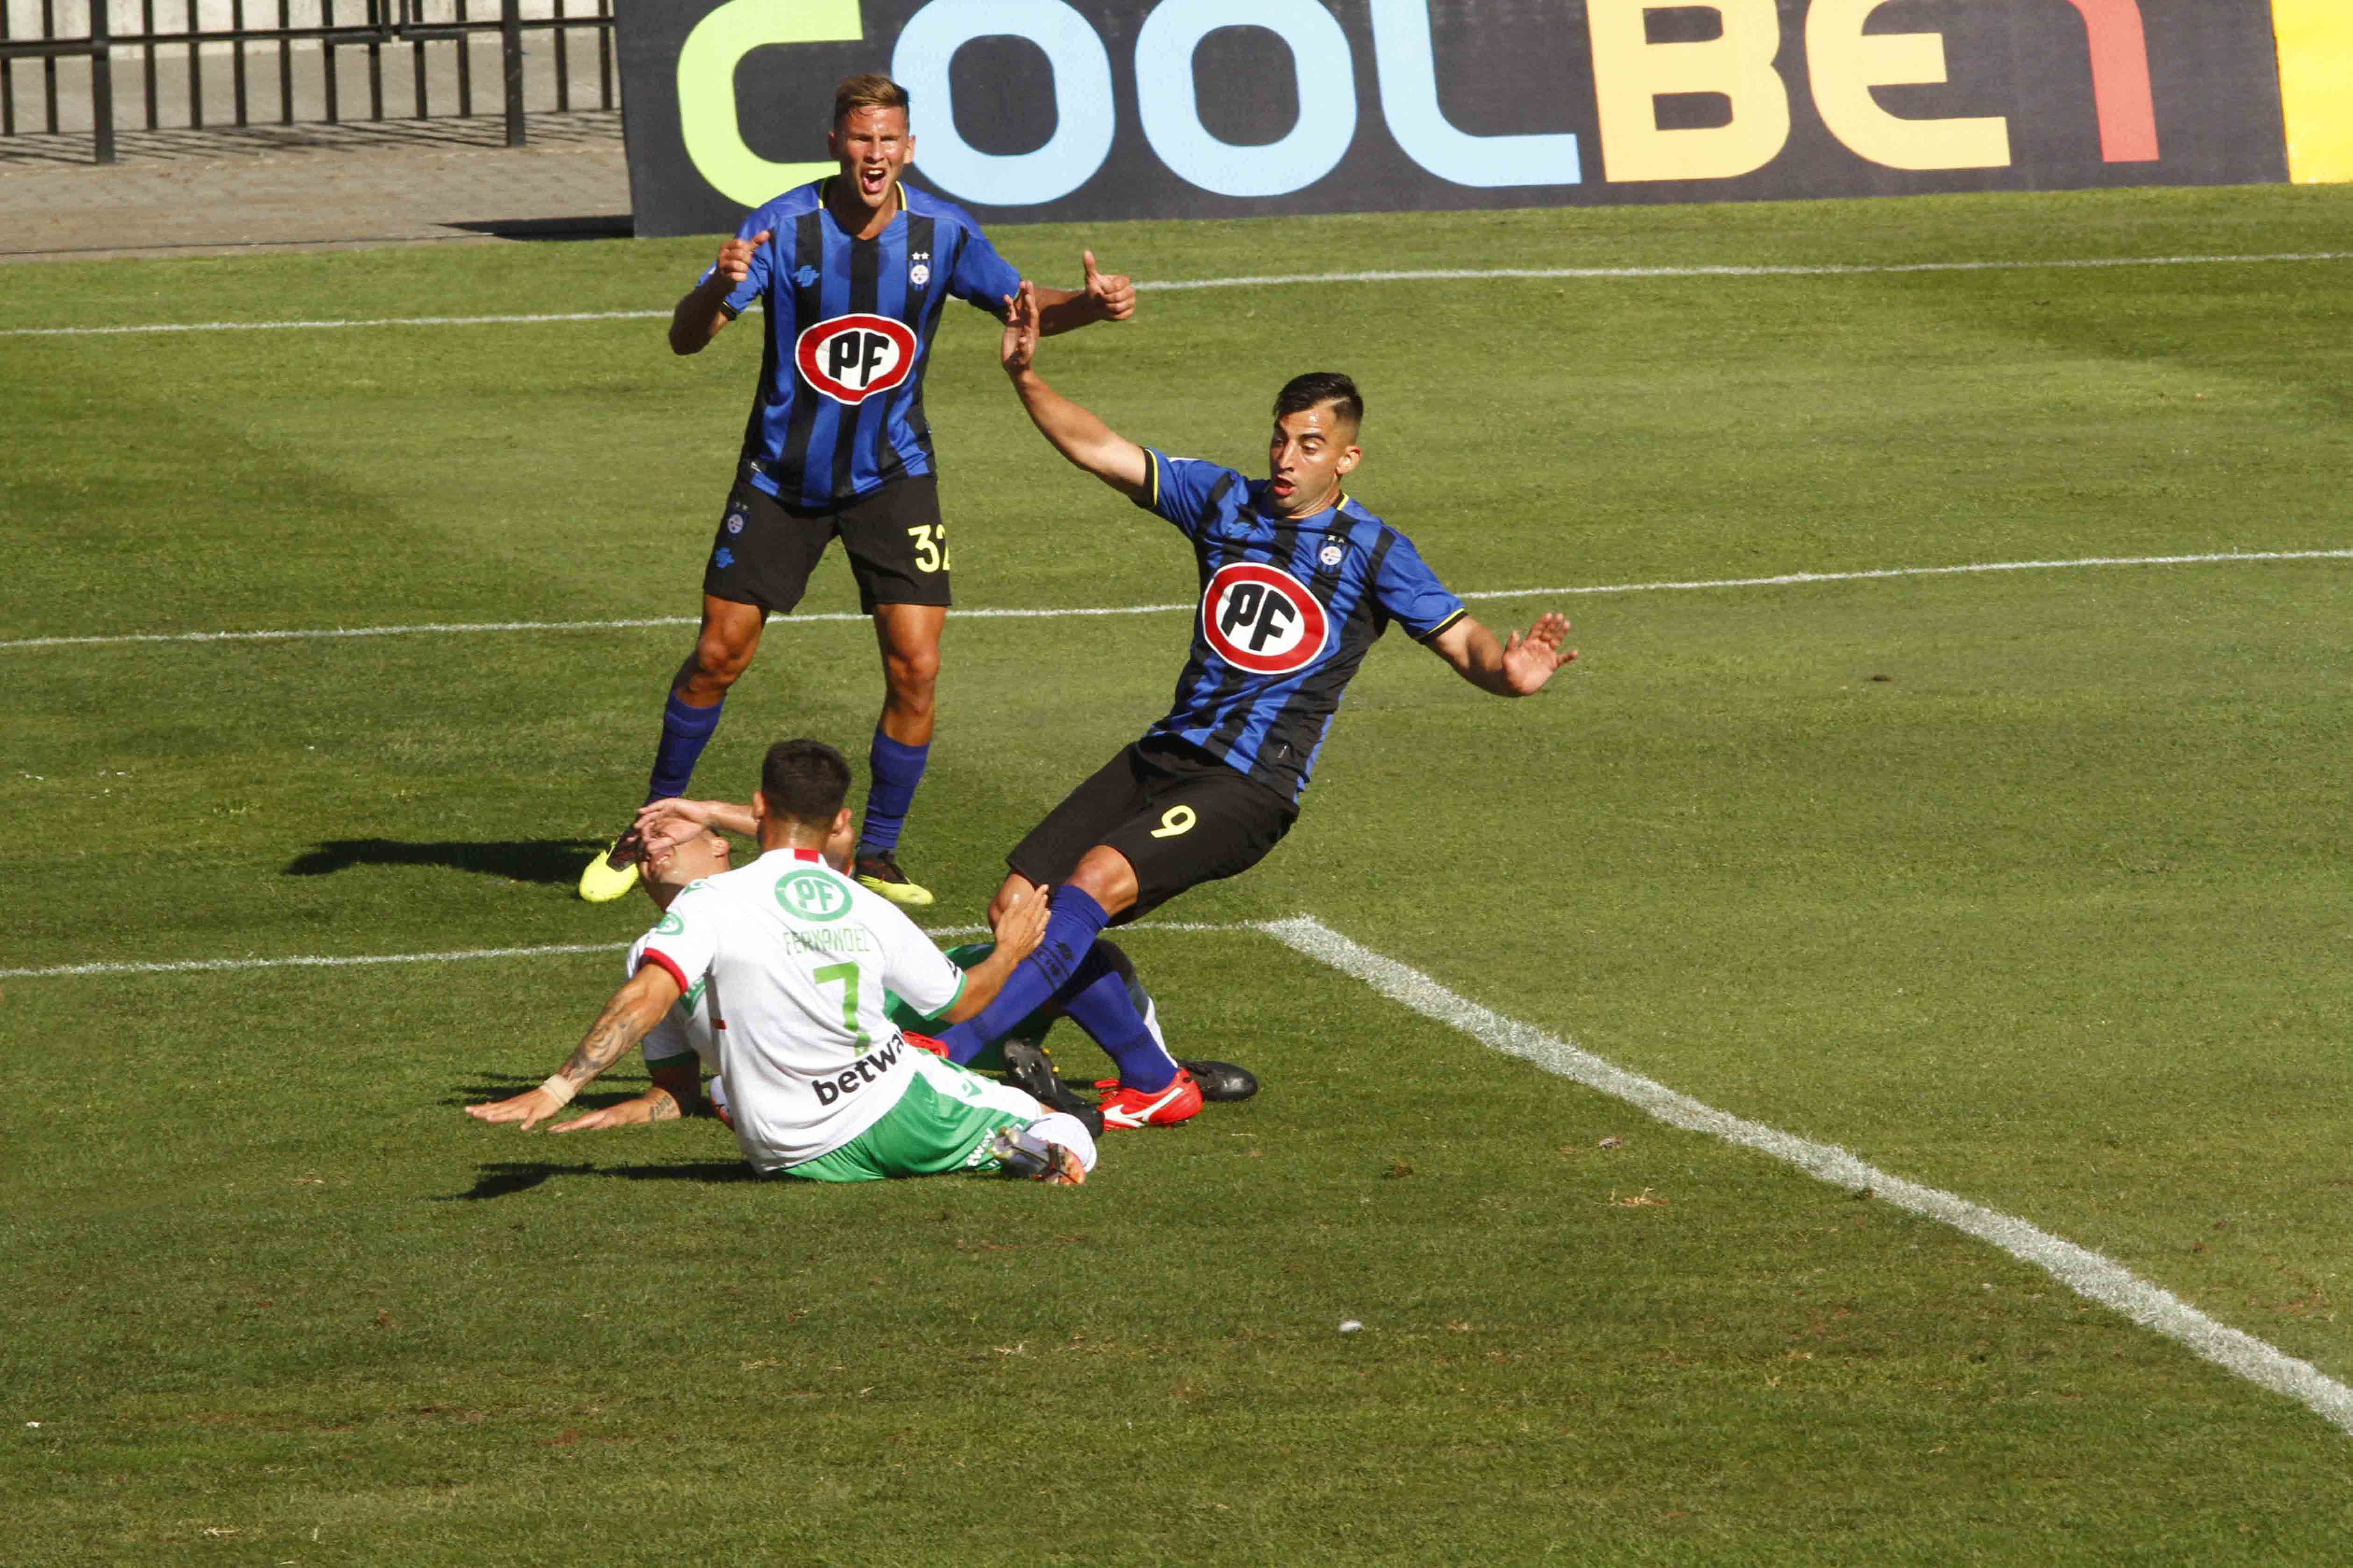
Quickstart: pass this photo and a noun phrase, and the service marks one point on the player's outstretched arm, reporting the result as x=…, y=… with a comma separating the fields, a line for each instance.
x=1105, y=297
x=1074, y=432
x=627, y=1018
x=699, y=317
x=676, y=1092
x=1516, y=668
x=1020, y=928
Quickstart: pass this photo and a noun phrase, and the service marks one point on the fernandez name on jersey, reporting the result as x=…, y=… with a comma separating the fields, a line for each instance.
x=1289, y=608
x=840, y=409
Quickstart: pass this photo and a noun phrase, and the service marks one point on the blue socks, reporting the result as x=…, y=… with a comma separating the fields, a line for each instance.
x=1097, y=999
x=685, y=732
x=1073, y=923
x=892, y=771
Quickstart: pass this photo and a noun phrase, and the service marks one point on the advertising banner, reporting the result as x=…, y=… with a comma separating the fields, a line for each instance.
x=1049, y=110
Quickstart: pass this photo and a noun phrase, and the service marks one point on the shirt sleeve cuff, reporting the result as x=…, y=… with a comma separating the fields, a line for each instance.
x=937, y=1013
x=1440, y=626
x=654, y=956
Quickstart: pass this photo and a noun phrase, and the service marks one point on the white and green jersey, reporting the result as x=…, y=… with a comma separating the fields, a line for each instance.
x=689, y=1028
x=797, y=958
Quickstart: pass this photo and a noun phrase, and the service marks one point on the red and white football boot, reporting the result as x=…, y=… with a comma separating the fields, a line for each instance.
x=1178, y=1100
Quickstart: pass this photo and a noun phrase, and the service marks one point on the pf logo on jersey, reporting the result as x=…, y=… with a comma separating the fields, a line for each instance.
x=1263, y=619
x=851, y=358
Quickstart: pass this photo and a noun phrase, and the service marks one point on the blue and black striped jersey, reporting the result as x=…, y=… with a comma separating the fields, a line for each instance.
x=839, y=410
x=1289, y=607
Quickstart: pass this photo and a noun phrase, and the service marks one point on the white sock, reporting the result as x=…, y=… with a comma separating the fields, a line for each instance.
x=1060, y=1127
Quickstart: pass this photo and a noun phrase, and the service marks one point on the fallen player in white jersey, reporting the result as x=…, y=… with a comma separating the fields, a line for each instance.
x=793, y=960
x=680, y=825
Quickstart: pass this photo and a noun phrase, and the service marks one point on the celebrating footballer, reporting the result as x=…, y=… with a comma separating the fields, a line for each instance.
x=1298, y=581
x=853, y=273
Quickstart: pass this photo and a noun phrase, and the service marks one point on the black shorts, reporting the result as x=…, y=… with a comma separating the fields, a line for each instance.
x=1181, y=817
x=898, y=547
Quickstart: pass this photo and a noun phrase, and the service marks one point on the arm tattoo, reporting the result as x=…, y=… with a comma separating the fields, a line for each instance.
x=614, y=1032
x=663, y=1106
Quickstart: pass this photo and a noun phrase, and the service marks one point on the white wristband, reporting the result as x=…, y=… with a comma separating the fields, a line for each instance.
x=560, y=1088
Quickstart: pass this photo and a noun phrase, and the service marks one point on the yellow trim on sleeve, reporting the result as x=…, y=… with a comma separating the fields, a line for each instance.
x=1440, y=629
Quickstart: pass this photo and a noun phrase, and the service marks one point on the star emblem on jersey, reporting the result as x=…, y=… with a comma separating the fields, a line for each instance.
x=1263, y=619
x=813, y=896
x=851, y=358
x=919, y=268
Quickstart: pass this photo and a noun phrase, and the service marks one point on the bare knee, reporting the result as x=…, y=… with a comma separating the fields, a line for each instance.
x=719, y=660
x=1104, y=875
x=1016, y=888
x=912, y=675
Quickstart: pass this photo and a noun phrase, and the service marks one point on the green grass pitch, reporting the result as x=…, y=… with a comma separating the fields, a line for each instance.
x=2053, y=917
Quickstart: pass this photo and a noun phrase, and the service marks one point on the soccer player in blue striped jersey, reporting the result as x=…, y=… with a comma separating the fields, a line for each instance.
x=853, y=273
x=1298, y=580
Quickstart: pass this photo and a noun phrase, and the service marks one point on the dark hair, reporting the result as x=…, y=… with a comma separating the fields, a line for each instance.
x=868, y=89
x=1316, y=388
x=806, y=779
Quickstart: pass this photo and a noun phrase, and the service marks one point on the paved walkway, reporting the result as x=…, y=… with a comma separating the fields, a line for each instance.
x=313, y=187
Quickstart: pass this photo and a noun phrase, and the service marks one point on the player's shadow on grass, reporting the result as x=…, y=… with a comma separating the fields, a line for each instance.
x=504, y=1178
x=556, y=860
x=506, y=1087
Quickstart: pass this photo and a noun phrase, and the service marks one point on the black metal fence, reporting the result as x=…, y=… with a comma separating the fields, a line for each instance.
x=264, y=37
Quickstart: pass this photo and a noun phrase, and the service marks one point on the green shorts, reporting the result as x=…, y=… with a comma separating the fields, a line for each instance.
x=942, y=1124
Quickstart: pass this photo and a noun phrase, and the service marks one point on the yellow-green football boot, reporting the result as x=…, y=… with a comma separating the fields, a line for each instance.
x=880, y=872
x=615, y=871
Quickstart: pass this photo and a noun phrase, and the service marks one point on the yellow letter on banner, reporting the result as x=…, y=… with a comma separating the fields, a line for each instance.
x=1846, y=64
x=1631, y=74
x=707, y=120
x=2316, y=57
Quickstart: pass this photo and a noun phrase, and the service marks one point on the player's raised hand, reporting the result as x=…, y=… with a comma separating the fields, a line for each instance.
x=1020, y=328
x=735, y=256
x=671, y=821
x=1530, y=660
x=1022, y=924
x=530, y=1109
x=1112, y=294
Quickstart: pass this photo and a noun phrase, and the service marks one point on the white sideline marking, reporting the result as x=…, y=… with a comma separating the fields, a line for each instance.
x=2081, y=1270
x=1786, y=579
x=1186, y=285
x=553, y=950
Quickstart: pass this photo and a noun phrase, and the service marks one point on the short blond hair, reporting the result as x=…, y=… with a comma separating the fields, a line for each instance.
x=868, y=89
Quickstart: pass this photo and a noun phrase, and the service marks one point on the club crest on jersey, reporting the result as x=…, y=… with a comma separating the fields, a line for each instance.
x=851, y=358
x=919, y=268
x=1333, y=552
x=812, y=895
x=1263, y=619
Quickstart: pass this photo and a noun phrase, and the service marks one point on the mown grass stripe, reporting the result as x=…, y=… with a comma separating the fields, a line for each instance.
x=1784, y=580
x=2081, y=1270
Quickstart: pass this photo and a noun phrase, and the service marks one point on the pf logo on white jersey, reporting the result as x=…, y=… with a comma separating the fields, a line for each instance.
x=1263, y=619
x=851, y=358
